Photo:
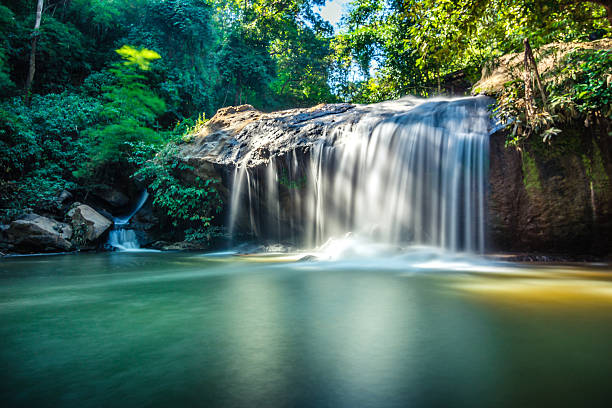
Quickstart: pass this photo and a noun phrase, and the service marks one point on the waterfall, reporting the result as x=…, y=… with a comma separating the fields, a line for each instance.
x=407, y=172
x=121, y=237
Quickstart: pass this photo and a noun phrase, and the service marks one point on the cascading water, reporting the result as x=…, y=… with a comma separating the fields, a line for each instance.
x=408, y=172
x=121, y=237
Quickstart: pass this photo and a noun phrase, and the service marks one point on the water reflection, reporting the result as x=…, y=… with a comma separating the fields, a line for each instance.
x=185, y=329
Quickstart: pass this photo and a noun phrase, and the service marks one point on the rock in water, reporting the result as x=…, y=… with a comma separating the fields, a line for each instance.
x=89, y=222
x=37, y=233
x=113, y=197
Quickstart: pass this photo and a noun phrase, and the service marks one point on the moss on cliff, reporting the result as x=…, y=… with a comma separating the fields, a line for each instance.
x=531, y=177
x=596, y=171
x=563, y=202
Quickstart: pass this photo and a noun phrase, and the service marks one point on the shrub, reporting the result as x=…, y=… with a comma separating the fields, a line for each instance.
x=191, y=207
x=579, y=90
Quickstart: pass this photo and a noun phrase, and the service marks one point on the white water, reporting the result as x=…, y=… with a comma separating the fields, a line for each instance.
x=121, y=237
x=409, y=172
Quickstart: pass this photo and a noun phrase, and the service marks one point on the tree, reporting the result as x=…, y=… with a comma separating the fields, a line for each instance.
x=128, y=115
x=244, y=62
x=287, y=46
x=187, y=75
x=606, y=4
x=467, y=32
x=421, y=41
x=35, y=34
x=7, y=24
x=378, y=33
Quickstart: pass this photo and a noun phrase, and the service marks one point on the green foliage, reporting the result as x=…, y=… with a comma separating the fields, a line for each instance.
x=303, y=65
x=245, y=63
x=379, y=36
x=415, y=43
x=42, y=145
x=578, y=90
x=141, y=58
x=49, y=131
x=290, y=183
x=275, y=54
x=7, y=22
x=589, y=80
x=39, y=189
x=269, y=53
x=17, y=140
x=191, y=206
x=184, y=33
x=61, y=54
x=128, y=115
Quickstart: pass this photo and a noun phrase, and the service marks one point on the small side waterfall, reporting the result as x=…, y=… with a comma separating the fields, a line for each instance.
x=121, y=237
x=408, y=172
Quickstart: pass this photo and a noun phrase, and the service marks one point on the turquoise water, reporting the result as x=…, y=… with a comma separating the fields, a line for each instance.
x=163, y=330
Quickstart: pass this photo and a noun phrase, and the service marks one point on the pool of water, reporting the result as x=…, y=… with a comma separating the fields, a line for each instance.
x=184, y=329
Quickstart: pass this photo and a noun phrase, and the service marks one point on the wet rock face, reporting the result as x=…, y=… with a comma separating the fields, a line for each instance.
x=505, y=196
x=34, y=233
x=238, y=134
x=242, y=135
x=113, y=197
x=555, y=199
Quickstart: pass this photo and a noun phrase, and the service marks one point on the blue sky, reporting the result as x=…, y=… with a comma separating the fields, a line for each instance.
x=332, y=11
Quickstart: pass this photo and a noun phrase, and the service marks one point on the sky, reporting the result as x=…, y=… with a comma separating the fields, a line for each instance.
x=332, y=11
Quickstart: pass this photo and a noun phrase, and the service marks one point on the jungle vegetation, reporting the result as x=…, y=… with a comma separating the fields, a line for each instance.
x=99, y=92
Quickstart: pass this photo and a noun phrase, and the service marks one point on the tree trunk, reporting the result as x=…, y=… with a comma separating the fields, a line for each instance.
x=225, y=98
x=238, y=94
x=35, y=34
x=284, y=85
x=529, y=105
x=530, y=59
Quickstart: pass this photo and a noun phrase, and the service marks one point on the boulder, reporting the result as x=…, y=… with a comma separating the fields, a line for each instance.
x=63, y=197
x=113, y=197
x=90, y=223
x=144, y=219
x=5, y=245
x=36, y=233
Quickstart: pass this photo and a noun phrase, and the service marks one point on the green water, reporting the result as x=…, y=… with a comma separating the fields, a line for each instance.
x=165, y=330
